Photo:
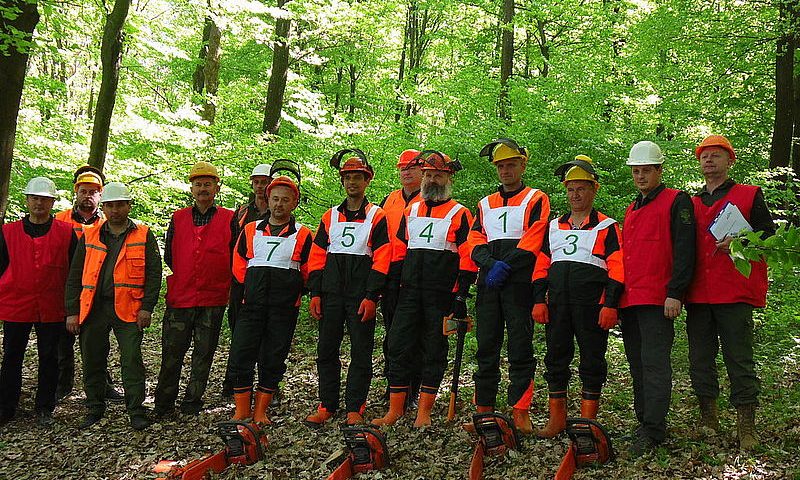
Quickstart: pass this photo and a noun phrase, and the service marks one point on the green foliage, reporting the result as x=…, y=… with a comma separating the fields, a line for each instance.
x=781, y=251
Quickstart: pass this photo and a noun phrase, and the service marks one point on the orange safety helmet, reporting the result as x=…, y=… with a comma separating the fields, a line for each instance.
x=284, y=181
x=436, y=160
x=715, y=141
x=358, y=163
x=406, y=159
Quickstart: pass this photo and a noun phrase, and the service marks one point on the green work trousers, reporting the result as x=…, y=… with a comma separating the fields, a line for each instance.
x=95, y=346
x=731, y=325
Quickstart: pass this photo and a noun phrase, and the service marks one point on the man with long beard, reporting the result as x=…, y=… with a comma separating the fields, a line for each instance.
x=437, y=272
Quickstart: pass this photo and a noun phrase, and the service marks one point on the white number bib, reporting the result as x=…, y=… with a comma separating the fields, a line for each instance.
x=504, y=222
x=430, y=233
x=269, y=251
x=576, y=245
x=351, y=238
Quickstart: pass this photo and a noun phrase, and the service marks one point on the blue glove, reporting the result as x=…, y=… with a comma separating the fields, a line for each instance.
x=498, y=274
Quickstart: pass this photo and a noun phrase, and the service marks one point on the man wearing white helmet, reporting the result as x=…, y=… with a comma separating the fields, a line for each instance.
x=114, y=284
x=34, y=260
x=658, y=245
x=85, y=214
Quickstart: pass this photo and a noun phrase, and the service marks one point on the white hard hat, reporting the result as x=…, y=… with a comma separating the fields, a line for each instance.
x=645, y=153
x=41, y=187
x=261, y=170
x=114, y=191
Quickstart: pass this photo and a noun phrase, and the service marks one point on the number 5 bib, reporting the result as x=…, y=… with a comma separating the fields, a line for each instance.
x=430, y=233
x=505, y=222
x=576, y=245
x=351, y=238
x=269, y=251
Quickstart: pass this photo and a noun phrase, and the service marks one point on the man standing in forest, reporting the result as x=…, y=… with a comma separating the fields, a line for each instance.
x=252, y=211
x=505, y=239
x=436, y=275
x=347, y=270
x=198, y=251
x=394, y=204
x=577, y=285
x=84, y=215
x=113, y=285
x=34, y=261
x=720, y=300
x=658, y=246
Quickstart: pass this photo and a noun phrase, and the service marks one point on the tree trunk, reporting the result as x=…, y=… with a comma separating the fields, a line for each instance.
x=211, y=74
x=401, y=74
x=506, y=56
x=111, y=59
x=337, y=100
x=199, y=77
x=544, y=47
x=353, y=79
x=277, y=81
x=780, y=150
x=12, y=78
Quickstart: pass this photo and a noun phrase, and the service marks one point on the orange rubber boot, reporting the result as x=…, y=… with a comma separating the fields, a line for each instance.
x=558, y=417
x=354, y=418
x=397, y=405
x=589, y=408
x=242, y=400
x=470, y=427
x=316, y=419
x=260, y=411
x=426, y=401
x=522, y=420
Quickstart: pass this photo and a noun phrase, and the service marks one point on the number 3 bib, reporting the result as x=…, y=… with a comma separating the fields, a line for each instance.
x=269, y=251
x=576, y=245
x=351, y=238
x=430, y=233
x=505, y=222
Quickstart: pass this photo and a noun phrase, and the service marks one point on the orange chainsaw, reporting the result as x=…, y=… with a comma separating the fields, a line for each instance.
x=244, y=445
x=591, y=445
x=367, y=451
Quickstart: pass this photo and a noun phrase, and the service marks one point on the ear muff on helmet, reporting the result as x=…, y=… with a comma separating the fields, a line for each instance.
x=488, y=149
x=561, y=171
x=436, y=160
x=362, y=165
x=283, y=165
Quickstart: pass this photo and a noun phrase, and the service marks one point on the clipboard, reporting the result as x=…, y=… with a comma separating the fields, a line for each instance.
x=729, y=222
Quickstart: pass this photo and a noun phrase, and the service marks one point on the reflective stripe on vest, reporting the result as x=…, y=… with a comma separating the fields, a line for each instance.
x=129, y=273
x=505, y=222
x=430, y=233
x=576, y=245
x=351, y=238
x=272, y=251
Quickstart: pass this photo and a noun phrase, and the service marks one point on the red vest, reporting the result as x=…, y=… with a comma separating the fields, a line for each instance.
x=647, y=250
x=201, y=261
x=129, y=273
x=32, y=287
x=716, y=280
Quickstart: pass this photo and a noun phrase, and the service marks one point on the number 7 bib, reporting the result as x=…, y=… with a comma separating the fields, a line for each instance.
x=269, y=251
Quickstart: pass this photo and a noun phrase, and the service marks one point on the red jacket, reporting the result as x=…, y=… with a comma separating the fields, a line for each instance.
x=32, y=287
x=647, y=250
x=716, y=279
x=201, y=261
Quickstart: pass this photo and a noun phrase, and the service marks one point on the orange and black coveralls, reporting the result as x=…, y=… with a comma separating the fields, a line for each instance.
x=512, y=232
x=244, y=214
x=271, y=261
x=394, y=205
x=430, y=280
x=575, y=292
x=345, y=267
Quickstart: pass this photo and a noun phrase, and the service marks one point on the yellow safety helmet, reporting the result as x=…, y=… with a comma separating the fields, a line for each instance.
x=503, y=149
x=580, y=168
x=88, y=174
x=203, y=169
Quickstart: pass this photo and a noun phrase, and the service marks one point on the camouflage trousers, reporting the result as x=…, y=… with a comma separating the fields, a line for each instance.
x=183, y=327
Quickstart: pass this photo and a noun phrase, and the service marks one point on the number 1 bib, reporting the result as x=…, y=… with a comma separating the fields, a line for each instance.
x=270, y=251
x=576, y=245
x=504, y=222
x=430, y=233
x=351, y=238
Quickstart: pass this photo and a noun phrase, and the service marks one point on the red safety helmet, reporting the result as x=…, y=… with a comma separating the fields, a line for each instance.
x=436, y=160
x=357, y=163
x=715, y=141
x=285, y=181
x=407, y=159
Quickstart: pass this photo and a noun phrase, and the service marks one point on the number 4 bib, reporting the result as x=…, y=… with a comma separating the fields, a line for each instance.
x=576, y=245
x=430, y=233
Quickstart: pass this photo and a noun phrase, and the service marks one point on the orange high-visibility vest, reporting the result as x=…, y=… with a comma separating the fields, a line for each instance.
x=129, y=271
x=78, y=228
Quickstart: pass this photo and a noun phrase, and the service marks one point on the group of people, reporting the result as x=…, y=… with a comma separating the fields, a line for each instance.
x=417, y=254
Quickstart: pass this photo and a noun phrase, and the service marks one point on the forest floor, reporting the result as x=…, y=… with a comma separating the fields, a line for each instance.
x=112, y=450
